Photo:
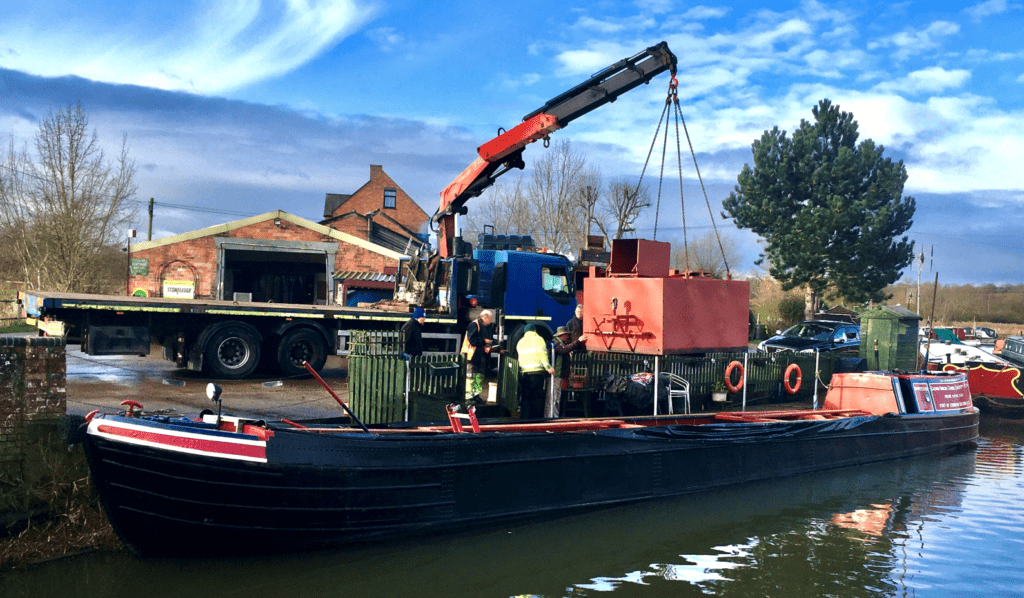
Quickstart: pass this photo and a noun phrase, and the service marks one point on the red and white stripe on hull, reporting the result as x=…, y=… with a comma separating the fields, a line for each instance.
x=242, y=449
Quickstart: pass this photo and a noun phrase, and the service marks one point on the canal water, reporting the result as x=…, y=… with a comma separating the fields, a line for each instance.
x=950, y=525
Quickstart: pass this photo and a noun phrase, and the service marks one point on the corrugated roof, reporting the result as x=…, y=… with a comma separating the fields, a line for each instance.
x=371, y=276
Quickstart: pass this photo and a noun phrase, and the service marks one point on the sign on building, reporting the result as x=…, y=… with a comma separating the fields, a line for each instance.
x=179, y=289
x=139, y=266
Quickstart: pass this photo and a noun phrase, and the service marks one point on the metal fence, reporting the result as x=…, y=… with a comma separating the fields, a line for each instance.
x=378, y=378
x=378, y=385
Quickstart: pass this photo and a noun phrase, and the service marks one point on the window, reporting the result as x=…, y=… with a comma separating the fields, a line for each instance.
x=390, y=196
x=555, y=282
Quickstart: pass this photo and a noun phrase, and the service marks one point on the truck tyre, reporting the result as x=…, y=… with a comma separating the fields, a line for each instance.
x=513, y=340
x=232, y=352
x=298, y=346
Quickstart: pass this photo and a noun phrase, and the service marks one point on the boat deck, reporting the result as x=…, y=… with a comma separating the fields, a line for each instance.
x=588, y=425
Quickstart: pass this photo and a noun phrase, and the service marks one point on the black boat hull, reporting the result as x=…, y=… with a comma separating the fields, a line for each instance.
x=324, y=490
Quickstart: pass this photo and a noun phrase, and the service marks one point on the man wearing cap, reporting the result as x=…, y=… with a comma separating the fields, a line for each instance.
x=534, y=369
x=563, y=347
x=412, y=333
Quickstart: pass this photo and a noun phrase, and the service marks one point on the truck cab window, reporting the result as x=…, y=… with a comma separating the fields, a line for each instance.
x=555, y=282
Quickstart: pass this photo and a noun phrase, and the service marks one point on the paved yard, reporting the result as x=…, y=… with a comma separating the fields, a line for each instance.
x=102, y=382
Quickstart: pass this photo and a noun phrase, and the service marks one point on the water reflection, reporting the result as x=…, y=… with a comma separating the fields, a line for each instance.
x=935, y=526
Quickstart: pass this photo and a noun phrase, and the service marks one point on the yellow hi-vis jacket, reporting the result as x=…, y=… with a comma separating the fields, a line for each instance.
x=533, y=353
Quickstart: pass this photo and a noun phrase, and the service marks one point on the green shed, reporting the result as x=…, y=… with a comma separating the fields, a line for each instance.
x=888, y=338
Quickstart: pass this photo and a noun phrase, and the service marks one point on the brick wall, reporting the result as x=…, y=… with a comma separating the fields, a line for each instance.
x=33, y=397
x=370, y=198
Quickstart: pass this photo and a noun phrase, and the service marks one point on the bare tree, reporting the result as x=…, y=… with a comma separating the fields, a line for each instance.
x=559, y=204
x=502, y=206
x=703, y=253
x=587, y=199
x=65, y=212
x=551, y=193
x=621, y=207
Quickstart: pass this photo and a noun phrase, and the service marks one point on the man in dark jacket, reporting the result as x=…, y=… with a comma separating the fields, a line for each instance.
x=564, y=346
x=477, y=348
x=575, y=324
x=412, y=333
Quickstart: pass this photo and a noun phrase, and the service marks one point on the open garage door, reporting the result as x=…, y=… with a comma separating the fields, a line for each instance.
x=275, y=271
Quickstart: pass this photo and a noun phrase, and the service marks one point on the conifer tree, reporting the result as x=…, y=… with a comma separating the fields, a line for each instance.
x=829, y=210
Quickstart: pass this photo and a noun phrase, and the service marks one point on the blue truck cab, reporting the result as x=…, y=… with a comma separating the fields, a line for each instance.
x=526, y=286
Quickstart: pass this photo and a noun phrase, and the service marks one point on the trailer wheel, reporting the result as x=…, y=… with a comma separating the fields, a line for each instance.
x=232, y=352
x=298, y=346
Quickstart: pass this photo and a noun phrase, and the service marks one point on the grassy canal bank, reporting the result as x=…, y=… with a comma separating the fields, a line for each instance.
x=48, y=506
x=53, y=512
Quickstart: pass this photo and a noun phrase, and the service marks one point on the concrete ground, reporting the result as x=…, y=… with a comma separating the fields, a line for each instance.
x=102, y=382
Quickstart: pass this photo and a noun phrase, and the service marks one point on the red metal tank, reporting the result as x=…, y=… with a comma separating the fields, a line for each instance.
x=667, y=315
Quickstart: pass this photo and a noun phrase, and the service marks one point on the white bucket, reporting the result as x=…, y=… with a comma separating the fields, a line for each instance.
x=492, y=392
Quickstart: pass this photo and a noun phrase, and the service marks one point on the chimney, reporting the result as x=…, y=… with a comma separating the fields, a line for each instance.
x=375, y=171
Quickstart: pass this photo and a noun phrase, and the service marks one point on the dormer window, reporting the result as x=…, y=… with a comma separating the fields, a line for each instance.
x=390, y=196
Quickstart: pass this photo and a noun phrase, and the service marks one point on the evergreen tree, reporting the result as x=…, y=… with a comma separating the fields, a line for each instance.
x=829, y=210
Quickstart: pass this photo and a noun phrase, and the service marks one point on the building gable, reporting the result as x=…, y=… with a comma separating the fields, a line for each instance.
x=379, y=194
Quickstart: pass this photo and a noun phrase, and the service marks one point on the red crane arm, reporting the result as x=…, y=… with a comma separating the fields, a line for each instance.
x=505, y=152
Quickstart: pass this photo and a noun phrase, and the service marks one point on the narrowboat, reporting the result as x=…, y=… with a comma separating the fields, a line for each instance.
x=225, y=485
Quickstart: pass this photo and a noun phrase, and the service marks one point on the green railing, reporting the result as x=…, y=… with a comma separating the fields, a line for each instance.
x=377, y=386
x=377, y=379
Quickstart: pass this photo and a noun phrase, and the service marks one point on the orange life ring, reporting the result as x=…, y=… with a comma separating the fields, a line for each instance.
x=728, y=376
x=791, y=388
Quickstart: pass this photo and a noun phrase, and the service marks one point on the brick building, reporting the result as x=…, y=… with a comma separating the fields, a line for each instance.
x=379, y=212
x=382, y=213
x=275, y=257
x=350, y=256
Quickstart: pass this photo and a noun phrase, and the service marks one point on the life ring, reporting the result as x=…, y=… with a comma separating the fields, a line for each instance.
x=728, y=376
x=791, y=388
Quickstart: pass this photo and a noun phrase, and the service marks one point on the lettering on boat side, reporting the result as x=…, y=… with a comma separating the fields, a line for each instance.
x=951, y=395
x=182, y=442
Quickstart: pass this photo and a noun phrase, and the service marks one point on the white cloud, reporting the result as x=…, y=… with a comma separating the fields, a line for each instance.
x=229, y=45
x=655, y=6
x=509, y=83
x=702, y=13
x=786, y=30
x=926, y=81
x=385, y=37
x=910, y=42
x=989, y=8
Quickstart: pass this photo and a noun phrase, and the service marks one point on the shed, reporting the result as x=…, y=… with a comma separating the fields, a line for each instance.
x=888, y=338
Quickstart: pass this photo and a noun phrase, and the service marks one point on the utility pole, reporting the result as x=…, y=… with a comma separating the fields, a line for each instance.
x=149, y=237
x=128, y=266
x=920, y=262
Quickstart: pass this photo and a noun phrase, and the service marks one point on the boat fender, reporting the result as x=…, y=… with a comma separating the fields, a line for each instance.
x=791, y=388
x=130, y=407
x=728, y=377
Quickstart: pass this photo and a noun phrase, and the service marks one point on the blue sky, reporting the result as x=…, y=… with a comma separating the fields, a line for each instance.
x=238, y=108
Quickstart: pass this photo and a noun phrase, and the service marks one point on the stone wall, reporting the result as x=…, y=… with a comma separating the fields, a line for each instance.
x=33, y=399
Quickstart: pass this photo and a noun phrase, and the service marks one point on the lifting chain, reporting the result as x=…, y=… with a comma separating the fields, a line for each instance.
x=673, y=100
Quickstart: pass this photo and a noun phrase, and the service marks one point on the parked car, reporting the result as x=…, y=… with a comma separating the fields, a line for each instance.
x=815, y=335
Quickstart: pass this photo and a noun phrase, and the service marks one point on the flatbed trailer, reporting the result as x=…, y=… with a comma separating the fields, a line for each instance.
x=229, y=339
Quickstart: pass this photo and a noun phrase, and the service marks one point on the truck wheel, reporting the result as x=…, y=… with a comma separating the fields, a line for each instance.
x=232, y=352
x=513, y=340
x=298, y=346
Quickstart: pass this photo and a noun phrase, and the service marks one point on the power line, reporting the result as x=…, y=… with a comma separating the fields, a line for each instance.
x=197, y=208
